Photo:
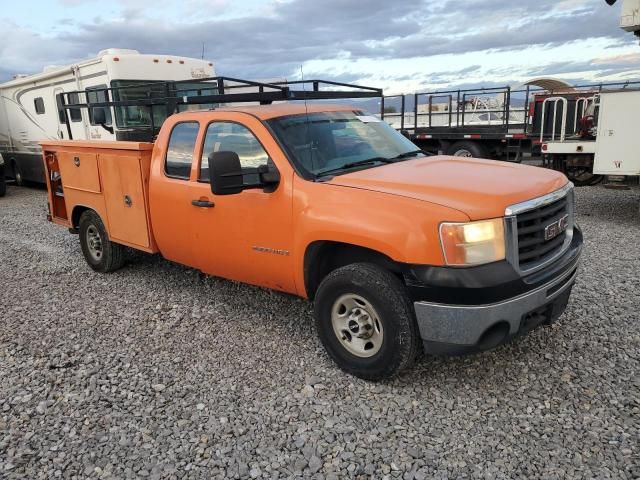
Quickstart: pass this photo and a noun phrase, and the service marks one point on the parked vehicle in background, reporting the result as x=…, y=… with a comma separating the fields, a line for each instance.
x=398, y=250
x=31, y=106
x=3, y=181
x=607, y=142
x=504, y=123
x=480, y=123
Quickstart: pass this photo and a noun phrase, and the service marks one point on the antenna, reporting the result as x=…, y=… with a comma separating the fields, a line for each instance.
x=202, y=51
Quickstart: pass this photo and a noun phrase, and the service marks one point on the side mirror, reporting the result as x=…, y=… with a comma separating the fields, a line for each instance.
x=269, y=178
x=225, y=173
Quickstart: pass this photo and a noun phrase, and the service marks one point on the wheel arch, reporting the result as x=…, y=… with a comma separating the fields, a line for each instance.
x=77, y=212
x=321, y=257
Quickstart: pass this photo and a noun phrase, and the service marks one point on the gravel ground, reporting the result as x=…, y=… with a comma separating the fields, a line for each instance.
x=157, y=371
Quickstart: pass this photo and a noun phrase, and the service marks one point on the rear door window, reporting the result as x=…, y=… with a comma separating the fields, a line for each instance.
x=181, y=148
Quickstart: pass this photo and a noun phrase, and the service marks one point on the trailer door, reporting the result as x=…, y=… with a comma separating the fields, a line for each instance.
x=76, y=123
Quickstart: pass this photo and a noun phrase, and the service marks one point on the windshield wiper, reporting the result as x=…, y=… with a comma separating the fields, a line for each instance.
x=411, y=154
x=370, y=161
x=359, y=163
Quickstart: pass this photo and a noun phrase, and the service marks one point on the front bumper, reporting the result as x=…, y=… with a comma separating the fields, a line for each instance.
x=459, y=329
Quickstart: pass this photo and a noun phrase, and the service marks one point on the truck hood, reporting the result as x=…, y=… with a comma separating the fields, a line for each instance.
x=480, y=188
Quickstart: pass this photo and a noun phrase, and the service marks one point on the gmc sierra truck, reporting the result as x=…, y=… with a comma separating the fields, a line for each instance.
x=401, y=252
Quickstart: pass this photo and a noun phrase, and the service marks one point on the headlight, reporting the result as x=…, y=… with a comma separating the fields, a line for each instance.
x=1, y=160
x=473, y=243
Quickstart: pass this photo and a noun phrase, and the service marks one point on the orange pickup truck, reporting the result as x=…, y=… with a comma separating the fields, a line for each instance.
x=399, y=251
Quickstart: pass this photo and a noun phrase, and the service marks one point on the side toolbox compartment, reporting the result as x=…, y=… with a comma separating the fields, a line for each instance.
x=111, y=178
x=125, y=198
x=80, y=170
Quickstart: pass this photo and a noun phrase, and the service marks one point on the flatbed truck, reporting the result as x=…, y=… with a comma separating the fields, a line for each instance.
x=505, y=123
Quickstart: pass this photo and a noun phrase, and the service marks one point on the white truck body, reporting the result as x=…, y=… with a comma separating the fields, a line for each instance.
x=617, y=150
x=630, y=16
x=30, y=105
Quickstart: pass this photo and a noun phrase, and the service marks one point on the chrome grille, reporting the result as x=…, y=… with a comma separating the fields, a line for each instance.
x=528, y=249
x=532, y=246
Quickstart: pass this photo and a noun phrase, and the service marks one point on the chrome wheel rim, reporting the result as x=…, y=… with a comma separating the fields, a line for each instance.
x=94, y=243
x=357, y=325
x=463, y=153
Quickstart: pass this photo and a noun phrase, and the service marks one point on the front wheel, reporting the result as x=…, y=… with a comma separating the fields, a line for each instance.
x=101, y=254
x=3, y=186
x=366, y=321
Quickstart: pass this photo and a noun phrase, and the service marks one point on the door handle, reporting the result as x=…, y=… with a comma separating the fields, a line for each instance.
x=202, y=203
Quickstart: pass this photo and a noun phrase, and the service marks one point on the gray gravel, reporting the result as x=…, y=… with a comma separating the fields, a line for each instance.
x=157, y=371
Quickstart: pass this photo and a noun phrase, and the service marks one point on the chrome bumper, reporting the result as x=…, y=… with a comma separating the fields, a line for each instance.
x=466, y=325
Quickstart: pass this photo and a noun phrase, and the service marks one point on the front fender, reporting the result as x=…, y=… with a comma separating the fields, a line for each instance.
x=403, y=229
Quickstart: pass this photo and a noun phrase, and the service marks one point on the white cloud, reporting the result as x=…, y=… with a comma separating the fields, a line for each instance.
x=402, y=46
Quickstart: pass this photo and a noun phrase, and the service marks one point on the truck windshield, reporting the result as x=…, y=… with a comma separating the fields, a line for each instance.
x=336, y=142
x=137, y=116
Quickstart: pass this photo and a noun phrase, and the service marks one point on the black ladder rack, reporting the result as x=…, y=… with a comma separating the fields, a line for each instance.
x=211, y=90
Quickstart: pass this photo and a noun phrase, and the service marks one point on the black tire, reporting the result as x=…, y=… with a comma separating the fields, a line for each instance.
x=3, y=187
x=17, y=174
x=111, y=255
x=583, y=177
x=473, y=149
x=400, y=343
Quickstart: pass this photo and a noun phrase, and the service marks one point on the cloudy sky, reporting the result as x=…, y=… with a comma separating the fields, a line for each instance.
x=402, y=45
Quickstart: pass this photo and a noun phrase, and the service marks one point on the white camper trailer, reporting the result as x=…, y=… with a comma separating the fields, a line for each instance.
x=31, y=106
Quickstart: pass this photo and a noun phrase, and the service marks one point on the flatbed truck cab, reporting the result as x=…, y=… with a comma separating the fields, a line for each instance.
x=399, y=251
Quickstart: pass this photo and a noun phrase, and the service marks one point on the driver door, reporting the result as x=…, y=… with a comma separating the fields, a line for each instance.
x=246, y=236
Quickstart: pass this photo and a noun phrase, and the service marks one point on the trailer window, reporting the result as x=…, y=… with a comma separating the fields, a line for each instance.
x=98, y=95
x=74, y=113
x=61, y=118
x=232, y=137
x=139, y=116
x=180, y=151
x=39, y=105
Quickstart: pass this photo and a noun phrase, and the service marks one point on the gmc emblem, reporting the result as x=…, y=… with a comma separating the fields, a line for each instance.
x=554, y=229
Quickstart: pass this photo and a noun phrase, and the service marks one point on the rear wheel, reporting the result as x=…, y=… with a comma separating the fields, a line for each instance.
x=16, y=173
x=582, y=176
x=3, y=182
x=101, y=254
x=467, y=150
x=366, y=321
